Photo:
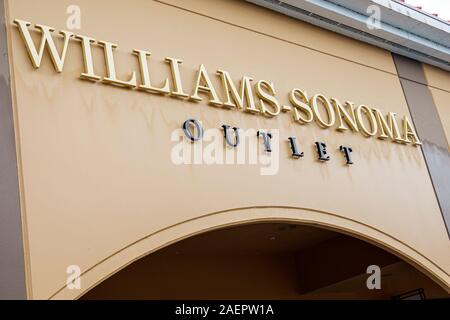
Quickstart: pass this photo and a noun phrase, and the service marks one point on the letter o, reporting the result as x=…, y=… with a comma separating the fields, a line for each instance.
x=330, y=110
x=191, y=135
x=372, y=120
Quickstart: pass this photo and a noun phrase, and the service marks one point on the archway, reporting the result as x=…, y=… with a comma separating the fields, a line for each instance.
x=267, y=260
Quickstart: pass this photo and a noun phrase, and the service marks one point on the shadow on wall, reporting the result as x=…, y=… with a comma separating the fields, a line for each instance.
x=265, y=261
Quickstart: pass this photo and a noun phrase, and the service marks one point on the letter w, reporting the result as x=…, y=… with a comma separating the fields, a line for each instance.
x=254, y=309
x=46, y=41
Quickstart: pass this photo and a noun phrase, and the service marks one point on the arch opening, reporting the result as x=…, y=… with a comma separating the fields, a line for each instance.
x=270, y=260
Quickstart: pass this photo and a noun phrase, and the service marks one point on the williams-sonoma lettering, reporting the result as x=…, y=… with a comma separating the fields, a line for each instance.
x=257, y=97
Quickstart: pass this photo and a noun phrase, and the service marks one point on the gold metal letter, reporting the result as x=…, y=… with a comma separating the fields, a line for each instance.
x=234, y=99
x=89, y=73
x=46, y=40
x=145, y=74
x=372, y=120
x=408, y=131
x=176, y=78
x=111, y=68
x=388, y=127
x=267, y=97
x=343, y=115
x=314, y=103
x=301, y=104
x=202, y=77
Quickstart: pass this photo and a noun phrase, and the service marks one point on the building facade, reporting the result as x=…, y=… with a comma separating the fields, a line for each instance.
x=223, y=149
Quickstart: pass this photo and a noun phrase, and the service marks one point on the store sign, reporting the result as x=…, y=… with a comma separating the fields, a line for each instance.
x=255, y=97
x=194, y=132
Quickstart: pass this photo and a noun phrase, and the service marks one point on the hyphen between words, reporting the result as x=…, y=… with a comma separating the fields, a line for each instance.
x=327, y=113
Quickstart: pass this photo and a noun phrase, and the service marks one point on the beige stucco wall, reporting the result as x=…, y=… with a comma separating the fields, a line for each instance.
x=437, y=78
x=98, y=186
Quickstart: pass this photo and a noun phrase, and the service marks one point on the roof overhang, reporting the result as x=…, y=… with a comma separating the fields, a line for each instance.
x=402, y=29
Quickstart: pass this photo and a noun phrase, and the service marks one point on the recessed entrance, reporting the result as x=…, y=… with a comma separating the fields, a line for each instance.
x=266, y=261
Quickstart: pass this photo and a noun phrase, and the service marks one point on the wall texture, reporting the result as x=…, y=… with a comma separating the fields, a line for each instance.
x=100, y=189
